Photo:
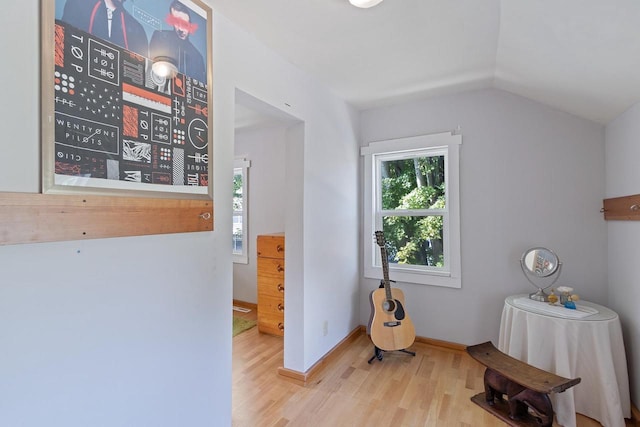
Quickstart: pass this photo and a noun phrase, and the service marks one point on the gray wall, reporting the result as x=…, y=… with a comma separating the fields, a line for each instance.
x=530, y=176
x=623, y=179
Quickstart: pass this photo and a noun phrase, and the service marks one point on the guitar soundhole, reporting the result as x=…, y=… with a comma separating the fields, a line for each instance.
x=389, y=305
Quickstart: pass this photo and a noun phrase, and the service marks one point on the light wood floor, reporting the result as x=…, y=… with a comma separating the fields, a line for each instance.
x=431, y=389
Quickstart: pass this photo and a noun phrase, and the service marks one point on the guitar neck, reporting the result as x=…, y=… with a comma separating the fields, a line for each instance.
x=385, y=272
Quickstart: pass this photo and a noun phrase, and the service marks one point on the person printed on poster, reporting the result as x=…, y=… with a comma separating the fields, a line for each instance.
x=108, y=20
x=175, y=43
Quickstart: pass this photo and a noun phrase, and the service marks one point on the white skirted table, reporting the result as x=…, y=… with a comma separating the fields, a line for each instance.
x=585, y=343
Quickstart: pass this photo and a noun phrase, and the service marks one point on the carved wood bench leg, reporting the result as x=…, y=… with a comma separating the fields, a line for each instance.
x=496, y=385
x=540, y=404
x=492, y=386
x=519, y=398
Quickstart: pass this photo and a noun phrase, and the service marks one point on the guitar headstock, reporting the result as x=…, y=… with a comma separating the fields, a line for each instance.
x=380, y=238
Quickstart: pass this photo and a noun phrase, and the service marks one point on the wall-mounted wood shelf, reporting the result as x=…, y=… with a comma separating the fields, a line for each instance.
x=625, y=208
x=33, y=218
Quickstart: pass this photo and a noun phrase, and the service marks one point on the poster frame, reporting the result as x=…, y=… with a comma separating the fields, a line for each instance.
x=108, y=187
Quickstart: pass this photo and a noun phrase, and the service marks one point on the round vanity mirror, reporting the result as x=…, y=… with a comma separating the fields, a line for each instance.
x=539, y=266
x=540, y=262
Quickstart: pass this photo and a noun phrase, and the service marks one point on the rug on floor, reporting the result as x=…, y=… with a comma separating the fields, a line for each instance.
x=241, y=325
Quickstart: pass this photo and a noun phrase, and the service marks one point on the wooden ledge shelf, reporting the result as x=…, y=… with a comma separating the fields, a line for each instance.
x=33, y=218
x=625, y=208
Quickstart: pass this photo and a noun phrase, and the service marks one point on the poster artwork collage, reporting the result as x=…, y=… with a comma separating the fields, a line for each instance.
x=116, y=120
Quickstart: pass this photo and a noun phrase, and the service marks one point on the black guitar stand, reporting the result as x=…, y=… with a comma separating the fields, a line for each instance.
x=378, y=354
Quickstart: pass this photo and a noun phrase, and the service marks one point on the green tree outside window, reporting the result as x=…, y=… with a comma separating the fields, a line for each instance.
x=409, y=187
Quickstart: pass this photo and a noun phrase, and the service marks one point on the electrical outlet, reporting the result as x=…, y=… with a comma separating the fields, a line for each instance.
x=325, y=328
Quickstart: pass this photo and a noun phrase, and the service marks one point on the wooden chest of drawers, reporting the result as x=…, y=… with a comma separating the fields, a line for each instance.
x=271, y=283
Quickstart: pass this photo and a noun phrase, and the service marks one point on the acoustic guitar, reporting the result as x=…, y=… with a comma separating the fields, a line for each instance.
x=389, y=325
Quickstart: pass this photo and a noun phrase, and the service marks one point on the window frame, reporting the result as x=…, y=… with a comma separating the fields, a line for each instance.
x=447, y=144
x=243, y=165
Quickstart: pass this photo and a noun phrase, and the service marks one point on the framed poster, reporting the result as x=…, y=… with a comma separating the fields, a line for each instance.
x=126, y=97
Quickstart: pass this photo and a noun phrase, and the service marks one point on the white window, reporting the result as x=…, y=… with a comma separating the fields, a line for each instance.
x=240, y=197
x=411, y=193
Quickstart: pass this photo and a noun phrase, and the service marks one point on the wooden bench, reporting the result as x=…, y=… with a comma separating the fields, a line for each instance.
x=527, y=388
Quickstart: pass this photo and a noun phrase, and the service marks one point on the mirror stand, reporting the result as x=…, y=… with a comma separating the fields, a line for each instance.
x=541, y=295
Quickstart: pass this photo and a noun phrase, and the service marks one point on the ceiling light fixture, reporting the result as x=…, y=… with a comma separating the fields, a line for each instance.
x=164, y=66
x=364, y=3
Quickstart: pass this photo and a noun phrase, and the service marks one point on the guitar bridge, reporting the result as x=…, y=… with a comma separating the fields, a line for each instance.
x=392, y=324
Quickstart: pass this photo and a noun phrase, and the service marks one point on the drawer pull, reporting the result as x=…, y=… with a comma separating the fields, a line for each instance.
x=280, y=307
x=279, y=248
x=281, y=326
x=280, y=268
x=280, y=287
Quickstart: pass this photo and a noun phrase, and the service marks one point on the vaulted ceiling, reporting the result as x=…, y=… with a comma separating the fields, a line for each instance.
x=579, y=56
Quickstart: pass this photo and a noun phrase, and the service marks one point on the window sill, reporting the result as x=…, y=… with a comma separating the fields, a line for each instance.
x=240, y=259
x=420, y=278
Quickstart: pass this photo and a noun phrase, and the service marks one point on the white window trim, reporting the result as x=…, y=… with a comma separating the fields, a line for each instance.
x=244, y=165
x=450, y=143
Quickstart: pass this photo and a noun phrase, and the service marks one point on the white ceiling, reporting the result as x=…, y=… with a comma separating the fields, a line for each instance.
x=580, y=56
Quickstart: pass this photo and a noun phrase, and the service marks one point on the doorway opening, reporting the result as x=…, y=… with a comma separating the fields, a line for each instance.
x=268, y=151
